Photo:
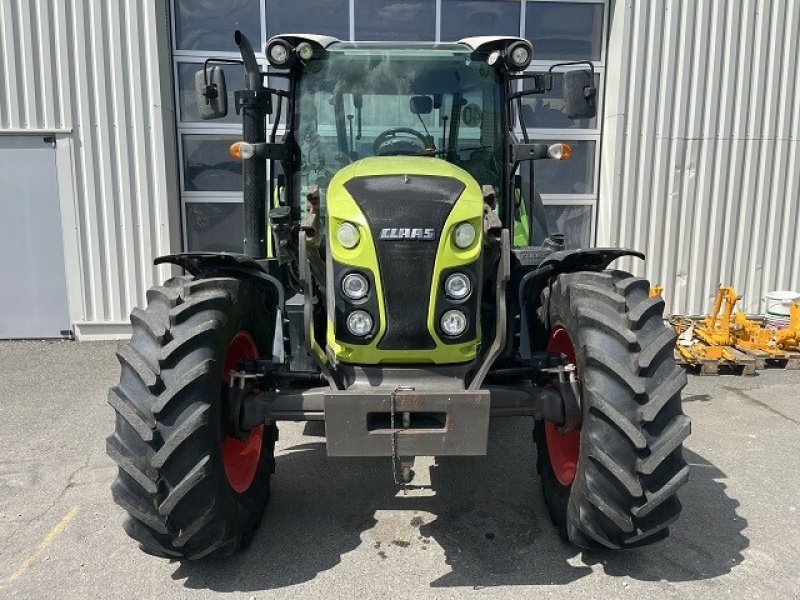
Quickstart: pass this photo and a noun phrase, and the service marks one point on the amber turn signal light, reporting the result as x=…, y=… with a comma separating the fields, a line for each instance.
x=560, y=151
x=242, y=150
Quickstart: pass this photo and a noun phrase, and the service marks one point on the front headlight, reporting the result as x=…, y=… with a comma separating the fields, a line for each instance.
x=305, y=51
x=347, y=235
x=355, y=286
x=359, y=323
x=457, y=286
x=519, y=56
x=279, y=53
x=464, y=235
x=454, y=323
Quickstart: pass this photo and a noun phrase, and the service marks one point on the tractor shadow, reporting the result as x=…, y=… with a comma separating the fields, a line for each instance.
x=487, y=516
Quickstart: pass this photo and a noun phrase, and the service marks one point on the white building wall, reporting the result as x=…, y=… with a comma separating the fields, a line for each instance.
x=701, y=149
x=96, y=74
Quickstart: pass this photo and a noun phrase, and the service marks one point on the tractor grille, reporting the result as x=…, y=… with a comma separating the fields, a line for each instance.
x=406, y=266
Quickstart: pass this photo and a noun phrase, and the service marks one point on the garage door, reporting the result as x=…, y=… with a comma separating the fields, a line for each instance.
x=33, y=294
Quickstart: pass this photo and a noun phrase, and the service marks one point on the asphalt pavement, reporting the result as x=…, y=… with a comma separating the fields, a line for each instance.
x=340, y=528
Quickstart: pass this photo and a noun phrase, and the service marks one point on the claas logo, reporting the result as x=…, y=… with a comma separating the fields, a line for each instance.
x=408, y=233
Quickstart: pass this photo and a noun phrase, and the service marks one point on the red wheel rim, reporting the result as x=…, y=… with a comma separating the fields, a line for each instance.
x=562, y=447
x=241, y=457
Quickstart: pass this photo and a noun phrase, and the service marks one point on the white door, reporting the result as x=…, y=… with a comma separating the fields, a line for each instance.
x=33, y=289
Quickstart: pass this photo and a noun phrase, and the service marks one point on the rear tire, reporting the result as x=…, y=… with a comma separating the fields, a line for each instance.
x=169, y=420
x=630, y=463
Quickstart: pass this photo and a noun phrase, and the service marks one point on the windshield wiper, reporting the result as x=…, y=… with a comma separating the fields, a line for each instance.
x=430, y=143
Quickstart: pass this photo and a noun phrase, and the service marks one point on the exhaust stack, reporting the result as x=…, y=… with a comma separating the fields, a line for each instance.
x=255, y=105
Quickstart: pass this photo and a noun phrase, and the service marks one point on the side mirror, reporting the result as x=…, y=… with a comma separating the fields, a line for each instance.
x=211, y=93
x=580, y=95
x=421, y=105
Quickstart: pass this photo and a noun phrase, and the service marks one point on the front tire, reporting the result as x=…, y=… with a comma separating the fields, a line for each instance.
x=621, y=492
x=190, y=490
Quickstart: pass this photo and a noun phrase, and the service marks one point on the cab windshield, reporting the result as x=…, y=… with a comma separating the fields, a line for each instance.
x=366, y=100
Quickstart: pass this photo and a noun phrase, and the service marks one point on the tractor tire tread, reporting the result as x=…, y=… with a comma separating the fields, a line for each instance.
x=630, y=464
x=171, y=479
x=140, y=422
x=147, y=371
x=193, y=423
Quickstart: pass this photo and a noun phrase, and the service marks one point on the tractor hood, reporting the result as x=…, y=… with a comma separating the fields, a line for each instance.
x=405, y=209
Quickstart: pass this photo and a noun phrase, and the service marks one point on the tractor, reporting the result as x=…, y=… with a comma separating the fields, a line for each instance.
x=399, y=283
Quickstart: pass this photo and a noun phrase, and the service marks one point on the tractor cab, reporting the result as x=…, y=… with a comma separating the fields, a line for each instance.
x=377, y=100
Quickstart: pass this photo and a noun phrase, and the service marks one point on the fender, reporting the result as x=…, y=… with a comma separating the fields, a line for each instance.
x=215, y=264
x=566, y=261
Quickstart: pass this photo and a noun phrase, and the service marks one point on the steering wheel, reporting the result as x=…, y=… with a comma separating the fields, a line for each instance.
x=390, y=134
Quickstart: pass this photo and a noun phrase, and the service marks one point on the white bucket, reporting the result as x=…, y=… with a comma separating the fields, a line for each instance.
x=778, y=306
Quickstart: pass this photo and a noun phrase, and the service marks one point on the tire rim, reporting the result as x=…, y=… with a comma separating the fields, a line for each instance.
x=563, y=448
x=241, y=457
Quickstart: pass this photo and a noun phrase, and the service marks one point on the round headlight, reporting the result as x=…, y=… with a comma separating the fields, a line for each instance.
x=305, y=51
x=355, y=286
x=457, y=286
x=359, y=323
x=278, y=53
x=464, y=235
x=519, y=55
x=347, y=235
x=454, y=323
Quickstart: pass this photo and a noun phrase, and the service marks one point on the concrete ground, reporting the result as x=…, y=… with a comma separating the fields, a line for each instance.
x=339, y=527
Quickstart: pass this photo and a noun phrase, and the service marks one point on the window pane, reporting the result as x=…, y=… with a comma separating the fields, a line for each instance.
x=547, y=110
x=234, y=80
x=209, y=25
x=564, y=30
x=214, y=226
x=573, y=176
x=208, y=166
x=464, y=18
x=413, y=20
x=331, y=17
x=575, y=222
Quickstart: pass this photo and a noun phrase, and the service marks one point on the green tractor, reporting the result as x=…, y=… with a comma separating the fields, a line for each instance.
x=399, y=283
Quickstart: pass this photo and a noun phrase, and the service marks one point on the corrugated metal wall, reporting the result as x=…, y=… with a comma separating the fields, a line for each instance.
x=701, y=163
x=96, y=74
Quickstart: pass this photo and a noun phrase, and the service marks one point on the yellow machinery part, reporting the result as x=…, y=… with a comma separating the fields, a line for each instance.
x=753, y=335
x=715, y=329
x=788, y=338
x=710, y=336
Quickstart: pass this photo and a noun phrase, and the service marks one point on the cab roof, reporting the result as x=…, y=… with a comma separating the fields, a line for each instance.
x=486, y=43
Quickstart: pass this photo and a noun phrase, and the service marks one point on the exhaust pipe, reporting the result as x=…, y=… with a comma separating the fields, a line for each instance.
x=255, y=106
x=253, y=73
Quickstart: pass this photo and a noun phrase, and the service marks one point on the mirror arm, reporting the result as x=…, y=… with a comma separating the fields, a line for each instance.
x=219, y=61
x=574, y=63
x=543, y=82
